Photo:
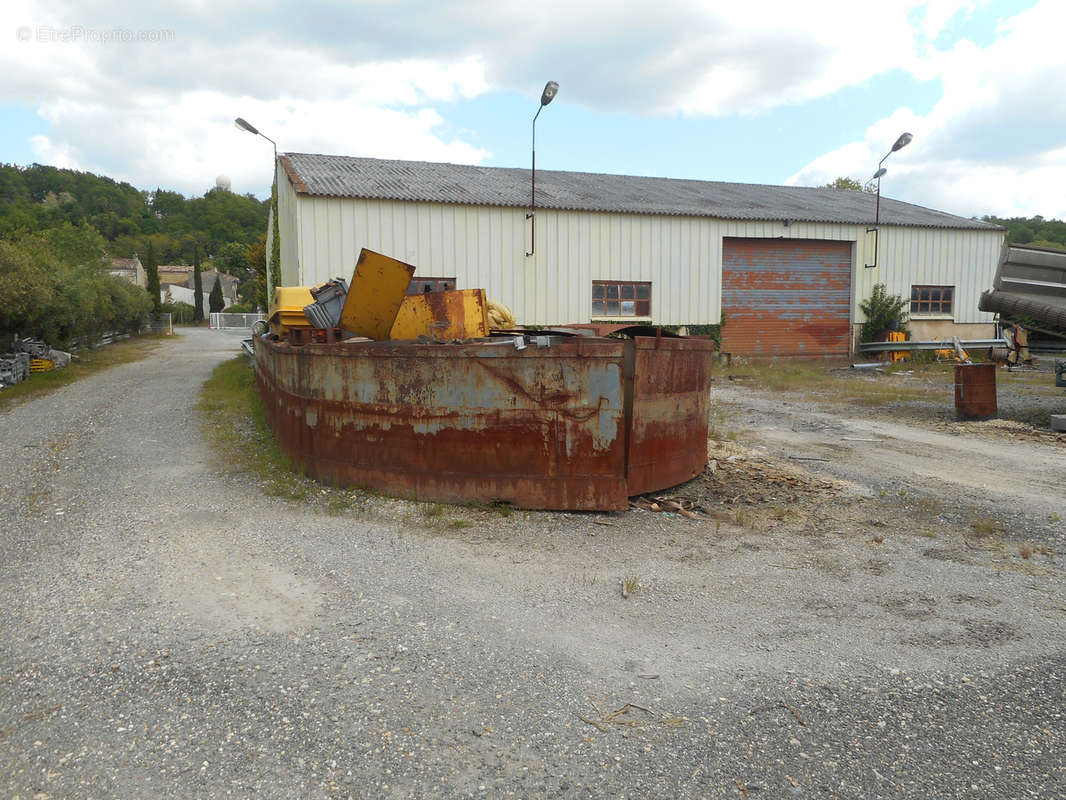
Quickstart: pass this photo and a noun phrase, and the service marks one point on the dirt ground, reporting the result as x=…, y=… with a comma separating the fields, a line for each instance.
x=858, y=598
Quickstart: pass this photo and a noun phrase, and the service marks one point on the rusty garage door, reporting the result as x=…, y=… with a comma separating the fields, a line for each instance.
x=786, y=297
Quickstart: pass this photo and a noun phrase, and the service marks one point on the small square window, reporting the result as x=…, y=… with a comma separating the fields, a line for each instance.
x=932, y=300
x=621, y=299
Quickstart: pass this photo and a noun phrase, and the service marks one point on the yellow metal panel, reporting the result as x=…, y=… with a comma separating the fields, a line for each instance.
x=456, y=314
x=375, y=292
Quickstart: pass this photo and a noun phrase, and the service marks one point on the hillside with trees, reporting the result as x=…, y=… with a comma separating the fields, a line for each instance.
x=1035, y=231
x=220, y=224
x=60, y=227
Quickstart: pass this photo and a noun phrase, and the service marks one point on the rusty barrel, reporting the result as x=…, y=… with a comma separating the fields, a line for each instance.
x=975, y=391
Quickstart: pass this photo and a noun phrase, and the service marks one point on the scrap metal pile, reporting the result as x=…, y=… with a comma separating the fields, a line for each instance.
x=28, y=356
x=441, y=397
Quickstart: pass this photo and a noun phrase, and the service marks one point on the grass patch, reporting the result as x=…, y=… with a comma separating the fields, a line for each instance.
x=833, y=382
x=235, y=421
x=86, y=363
x=985, y=526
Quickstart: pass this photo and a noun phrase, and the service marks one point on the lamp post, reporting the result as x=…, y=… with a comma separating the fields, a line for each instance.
x=244, y=125
x=551, y=88
x=903, y=140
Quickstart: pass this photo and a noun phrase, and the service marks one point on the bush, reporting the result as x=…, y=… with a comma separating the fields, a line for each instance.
x=883, y=312
x=181, y=313
x=240, y=308
x=54, y=286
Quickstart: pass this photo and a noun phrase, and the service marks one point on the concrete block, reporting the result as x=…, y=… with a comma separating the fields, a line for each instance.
x=1058, y=422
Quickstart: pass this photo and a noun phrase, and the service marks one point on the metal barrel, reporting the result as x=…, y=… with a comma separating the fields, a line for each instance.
x=975, y=391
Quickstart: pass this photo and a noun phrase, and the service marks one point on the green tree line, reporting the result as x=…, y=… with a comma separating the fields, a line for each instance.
x=1035, y=231
x=55, y=285
x=228, y=228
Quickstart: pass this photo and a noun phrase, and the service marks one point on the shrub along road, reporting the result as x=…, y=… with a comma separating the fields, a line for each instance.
x=170, y=630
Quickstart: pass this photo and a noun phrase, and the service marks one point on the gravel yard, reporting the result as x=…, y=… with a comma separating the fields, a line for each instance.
x=859, y=604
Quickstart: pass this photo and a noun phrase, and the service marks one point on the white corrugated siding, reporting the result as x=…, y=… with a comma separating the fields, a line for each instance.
x=484, y=247
x=919, y=256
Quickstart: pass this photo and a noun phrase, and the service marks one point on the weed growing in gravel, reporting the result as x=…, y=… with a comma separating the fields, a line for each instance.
x=985, y=526
x=630, y=585
x=234, y=418
x=743, y=518
x=1025, y=550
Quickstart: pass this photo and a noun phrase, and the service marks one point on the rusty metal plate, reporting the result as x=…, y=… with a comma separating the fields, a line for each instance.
x=786, y=297
x=442, y=316
x=671, y=412
x=454, y=423
x=375, y=292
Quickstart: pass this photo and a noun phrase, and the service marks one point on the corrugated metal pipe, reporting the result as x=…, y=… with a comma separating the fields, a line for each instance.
x=1016, y=307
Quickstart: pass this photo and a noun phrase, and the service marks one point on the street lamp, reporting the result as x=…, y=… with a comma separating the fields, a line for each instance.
x=903, y=140
x=245, y=125
x=551, y=88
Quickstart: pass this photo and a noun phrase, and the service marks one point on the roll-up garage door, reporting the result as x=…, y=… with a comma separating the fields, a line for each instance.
x=786, y=297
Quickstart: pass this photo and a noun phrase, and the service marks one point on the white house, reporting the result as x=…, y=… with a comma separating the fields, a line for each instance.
x=787, y=266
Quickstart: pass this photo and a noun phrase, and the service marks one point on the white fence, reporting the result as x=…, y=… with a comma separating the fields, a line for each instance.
x=222, y=321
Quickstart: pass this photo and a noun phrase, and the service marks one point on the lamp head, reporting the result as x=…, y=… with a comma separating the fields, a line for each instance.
x=879, y=173
x=903, y=140
x=244, y=125
x=551, y=88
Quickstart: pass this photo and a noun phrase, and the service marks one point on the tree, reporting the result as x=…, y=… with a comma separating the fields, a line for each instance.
x=216, y=301
x=850, y=184
x=151, y=268
x=254, y=290
x=197, y=287
x=275, y=248
x=883, y=311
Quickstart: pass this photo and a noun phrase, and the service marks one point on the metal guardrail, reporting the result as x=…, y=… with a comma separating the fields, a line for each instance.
x=967, y=344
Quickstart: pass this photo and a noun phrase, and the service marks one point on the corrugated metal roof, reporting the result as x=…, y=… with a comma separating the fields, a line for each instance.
x=429, y=182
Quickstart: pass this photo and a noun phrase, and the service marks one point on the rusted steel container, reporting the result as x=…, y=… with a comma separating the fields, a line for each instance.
x=975, y=391
x=581, y=424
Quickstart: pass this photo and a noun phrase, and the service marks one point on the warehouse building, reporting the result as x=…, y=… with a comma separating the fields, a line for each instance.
x=786, y=266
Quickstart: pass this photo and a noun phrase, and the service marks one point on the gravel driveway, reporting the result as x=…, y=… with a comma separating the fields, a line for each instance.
x=820, y=630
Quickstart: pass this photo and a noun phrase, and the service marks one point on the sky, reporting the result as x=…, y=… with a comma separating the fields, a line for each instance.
x=793, y=93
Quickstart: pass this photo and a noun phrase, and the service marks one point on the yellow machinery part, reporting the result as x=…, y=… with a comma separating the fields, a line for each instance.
x=898, y=355
x=442, y=316
x=500, y=316
x=375, y=292
x=42, y=365
x=287, y=308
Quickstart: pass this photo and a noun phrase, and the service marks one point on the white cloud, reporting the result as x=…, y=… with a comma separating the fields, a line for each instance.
x=995, y=142
x=373, y=77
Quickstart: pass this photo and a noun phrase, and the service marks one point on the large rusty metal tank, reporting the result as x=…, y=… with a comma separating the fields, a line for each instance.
x=552, y=422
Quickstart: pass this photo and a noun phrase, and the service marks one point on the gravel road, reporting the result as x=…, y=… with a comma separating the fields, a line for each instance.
x=169, y=630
